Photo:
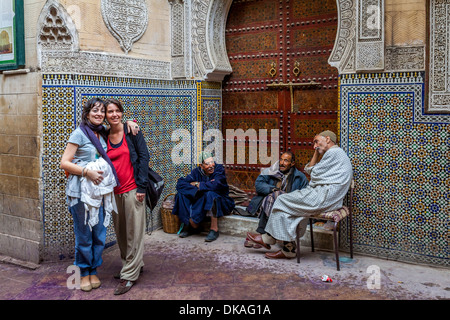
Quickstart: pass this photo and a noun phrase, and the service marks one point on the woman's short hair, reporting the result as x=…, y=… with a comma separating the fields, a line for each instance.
x=113, y=101
x=91, y=103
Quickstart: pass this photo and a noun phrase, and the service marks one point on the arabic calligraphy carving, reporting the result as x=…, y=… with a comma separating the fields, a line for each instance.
x=127, y=20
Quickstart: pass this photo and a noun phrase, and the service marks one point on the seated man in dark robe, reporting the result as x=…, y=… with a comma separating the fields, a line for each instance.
x=204, y=192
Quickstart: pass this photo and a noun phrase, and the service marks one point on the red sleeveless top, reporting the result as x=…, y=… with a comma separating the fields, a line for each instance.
x=120, y=157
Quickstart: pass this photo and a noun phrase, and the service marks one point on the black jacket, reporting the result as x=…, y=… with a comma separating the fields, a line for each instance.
x=139, y=157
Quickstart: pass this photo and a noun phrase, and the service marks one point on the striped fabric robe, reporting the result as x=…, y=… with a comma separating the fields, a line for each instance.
x=330, y=181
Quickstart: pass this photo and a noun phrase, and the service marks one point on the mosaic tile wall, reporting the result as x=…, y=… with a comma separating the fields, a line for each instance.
x=211, y=109
x=401, y=161
x=160, y=107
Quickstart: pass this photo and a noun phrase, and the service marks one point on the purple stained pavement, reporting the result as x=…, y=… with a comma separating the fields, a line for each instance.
x=192, y=269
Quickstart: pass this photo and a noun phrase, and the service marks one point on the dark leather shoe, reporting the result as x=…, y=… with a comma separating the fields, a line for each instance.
x=212, y=236
x=249, y=244
x=257, y=238
x=123, y=287
x=276, y=255
x=188, y=231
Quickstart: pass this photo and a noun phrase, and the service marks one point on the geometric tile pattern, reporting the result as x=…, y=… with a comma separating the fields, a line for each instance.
x=160, y=107
x=401, y=167
x=211, y=109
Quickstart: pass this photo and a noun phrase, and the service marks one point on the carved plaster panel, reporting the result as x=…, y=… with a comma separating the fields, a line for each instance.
x=439, y=98
x=59, y=52
x=359, y=44
x=370, y=35
x=205, y=55
x=177, y=15
x=342, y=57
x=405, y=58
x=57, y=31
x=127, y=20
x=103, y=64
x=178, y=68
x=202, y=60
x=177, y=20
x=216, y=37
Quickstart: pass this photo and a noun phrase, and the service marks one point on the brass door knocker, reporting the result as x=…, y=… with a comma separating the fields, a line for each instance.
x=296, y=70
x=273, y=71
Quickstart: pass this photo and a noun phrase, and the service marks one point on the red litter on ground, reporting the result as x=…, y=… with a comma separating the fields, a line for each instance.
x=326, y=278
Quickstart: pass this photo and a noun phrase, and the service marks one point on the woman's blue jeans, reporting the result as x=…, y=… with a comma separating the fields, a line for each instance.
x=89, y=244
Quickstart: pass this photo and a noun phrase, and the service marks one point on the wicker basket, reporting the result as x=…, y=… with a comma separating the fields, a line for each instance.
x=170, y=222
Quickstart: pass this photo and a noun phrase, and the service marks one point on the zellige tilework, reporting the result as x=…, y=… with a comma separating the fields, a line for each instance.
x=401, y=164
x=160, y=107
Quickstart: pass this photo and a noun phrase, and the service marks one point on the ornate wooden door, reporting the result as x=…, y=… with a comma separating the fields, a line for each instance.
x=281, y=77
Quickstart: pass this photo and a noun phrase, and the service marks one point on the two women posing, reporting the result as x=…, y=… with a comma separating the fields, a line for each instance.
x=94, y=157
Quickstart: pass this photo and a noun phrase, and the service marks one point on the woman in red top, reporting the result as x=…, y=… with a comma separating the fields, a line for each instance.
x=130, y=157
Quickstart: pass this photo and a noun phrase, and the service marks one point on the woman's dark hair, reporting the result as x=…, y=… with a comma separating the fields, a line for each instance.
x=113, y=101
x=88, y=107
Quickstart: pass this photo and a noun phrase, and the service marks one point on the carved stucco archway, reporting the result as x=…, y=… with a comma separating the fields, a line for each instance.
x=359, y=44
x=198, y=39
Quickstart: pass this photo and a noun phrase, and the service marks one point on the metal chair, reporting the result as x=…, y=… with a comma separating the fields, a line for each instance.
x=335, y=216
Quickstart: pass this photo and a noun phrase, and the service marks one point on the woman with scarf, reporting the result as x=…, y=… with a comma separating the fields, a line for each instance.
x=87, y=144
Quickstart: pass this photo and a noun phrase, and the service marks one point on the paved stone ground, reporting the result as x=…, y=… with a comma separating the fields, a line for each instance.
x=192, y=269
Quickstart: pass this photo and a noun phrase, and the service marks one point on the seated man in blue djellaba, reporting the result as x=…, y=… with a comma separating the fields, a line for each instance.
x=281, y=177
x=203, y=193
